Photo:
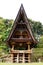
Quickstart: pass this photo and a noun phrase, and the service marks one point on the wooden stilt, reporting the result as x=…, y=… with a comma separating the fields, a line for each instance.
x=23, y=58
x=12, y=47
x=11, y=58
x=18, y=58
x=12, y=53
x=29, y=58
x=28, y=54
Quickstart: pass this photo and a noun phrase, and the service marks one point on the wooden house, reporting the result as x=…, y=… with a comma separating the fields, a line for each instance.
x=21, y=39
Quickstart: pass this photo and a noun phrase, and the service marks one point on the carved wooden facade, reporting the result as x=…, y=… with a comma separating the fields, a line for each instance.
x=21, y=39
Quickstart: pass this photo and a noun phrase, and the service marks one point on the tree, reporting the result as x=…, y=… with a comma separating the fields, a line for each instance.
x=40, y=44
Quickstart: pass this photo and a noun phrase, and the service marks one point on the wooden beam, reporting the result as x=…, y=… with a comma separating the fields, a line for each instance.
x=12, y=42
x=12, y=47
x=28, y=47
x=18, y=58
x=28, y=42
x=29, y=60
x=23, y=58
x=11, y=58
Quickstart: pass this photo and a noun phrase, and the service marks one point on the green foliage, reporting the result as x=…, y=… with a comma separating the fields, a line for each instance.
x=37, y=27
x=5, y=27
x=40, y=44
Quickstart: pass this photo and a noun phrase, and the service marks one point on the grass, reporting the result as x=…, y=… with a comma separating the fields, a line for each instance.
x=40, y=63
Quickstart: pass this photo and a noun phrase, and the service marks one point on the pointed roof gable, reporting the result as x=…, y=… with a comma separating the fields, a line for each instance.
x=20, y=14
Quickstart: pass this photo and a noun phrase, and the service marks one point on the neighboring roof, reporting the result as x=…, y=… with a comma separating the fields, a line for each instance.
x=21, y=13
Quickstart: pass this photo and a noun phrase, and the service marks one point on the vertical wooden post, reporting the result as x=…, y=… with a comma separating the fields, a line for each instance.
x=29, y=58
x=28, y=53
x=23, y=58
x=12, y=47
x=12, y=53
x=28, y=47
x=11, y=58
x=18, y=58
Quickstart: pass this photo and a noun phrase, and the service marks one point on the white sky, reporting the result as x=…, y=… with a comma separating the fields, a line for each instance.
x=33, y=8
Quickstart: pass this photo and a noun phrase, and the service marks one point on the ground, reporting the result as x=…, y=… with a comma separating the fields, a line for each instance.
x=21, y=63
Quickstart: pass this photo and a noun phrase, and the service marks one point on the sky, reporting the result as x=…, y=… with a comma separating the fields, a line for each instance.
x=33, y=9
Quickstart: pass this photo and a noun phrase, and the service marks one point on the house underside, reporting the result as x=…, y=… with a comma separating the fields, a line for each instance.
x=21, y=52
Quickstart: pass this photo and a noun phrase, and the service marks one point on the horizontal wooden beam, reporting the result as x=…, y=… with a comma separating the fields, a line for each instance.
x=21, y=39
x=21, y=51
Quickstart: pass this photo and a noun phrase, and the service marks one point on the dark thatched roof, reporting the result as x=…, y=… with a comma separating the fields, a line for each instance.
x=20, y=14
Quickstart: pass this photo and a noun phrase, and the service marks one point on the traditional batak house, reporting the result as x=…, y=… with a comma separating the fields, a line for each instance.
x=21, y=40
